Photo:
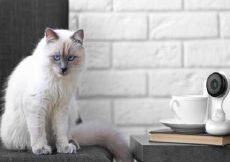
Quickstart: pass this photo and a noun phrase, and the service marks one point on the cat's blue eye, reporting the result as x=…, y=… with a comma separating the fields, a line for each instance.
x=56, y=57
x=71, y=58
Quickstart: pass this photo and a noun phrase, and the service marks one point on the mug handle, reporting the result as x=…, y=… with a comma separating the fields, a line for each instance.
x=174, y=104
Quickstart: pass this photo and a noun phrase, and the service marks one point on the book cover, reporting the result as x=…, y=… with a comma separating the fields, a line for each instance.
x=175, y=137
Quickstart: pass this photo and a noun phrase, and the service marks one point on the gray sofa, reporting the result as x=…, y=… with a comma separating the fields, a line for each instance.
x=22, y=24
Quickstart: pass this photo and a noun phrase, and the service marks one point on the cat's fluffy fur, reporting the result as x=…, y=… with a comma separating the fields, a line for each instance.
x=40, y=105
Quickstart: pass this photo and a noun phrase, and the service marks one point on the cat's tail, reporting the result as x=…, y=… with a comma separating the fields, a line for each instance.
x=95, y=133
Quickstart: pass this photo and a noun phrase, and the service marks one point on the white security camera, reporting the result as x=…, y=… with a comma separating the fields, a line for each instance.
x=217, y=85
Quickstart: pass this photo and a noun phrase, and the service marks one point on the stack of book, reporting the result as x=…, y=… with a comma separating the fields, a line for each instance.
x=175, y=137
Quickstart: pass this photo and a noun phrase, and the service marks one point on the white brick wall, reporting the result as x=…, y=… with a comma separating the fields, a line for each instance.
x=110, y=83
x=98, y=55
x=140, y=52
x=92, y=110
x=90, y=5
x=211, y=53
x=167, y=82
x=113, y=26
x=225, y=24
x=146, y=54
x=140, y=111
x=207, y=4
x=146, y=5
x=186, y=25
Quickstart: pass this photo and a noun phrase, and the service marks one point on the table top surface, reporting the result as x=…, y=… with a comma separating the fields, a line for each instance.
x=145, y=151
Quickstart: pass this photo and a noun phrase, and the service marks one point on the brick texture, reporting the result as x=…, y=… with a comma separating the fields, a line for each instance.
x=73, y=21
x=95, y=110
x=98, y=54
x=143, y=5
x=169, y=82
x=207, y=53
x=207, y=4
x=90, y=5
x=225, y=24
x=140, y=111
x=147, y=54
x=113, y=83
x=114, y=26
x=141, y=52
x=186, y=25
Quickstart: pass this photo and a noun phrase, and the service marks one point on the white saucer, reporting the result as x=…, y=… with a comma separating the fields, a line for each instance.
x=183, y=127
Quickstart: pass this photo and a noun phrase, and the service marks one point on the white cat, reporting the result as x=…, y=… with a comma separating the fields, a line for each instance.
x=40, y=106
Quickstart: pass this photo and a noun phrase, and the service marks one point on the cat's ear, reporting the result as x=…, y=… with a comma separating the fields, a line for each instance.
x=50, y=35
x=78, y=36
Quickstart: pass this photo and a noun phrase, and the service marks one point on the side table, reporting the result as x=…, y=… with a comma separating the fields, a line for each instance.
x=145, y=151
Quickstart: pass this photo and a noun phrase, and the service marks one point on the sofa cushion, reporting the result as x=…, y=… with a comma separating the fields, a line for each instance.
x=85, y=154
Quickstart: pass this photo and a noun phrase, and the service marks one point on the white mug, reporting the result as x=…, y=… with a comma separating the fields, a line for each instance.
x=191, y=109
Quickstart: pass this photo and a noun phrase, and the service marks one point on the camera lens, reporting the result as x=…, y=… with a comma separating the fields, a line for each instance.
x=216, y=84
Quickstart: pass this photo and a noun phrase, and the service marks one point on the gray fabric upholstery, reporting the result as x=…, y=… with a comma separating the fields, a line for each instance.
x=85, y=154
x=22, y=24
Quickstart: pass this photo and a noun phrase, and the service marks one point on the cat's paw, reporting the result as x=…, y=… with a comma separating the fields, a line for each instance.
x=39, y=150
x=69, y=149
